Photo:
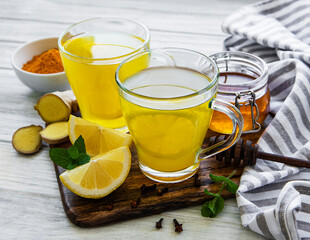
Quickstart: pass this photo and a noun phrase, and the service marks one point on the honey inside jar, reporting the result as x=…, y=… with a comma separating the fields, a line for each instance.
x=243, y=82
x=222, y=124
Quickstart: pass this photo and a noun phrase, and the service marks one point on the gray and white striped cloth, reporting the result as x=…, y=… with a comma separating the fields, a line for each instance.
x=274, y=198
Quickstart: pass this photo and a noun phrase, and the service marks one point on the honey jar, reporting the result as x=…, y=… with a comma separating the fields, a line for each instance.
x=242, y=82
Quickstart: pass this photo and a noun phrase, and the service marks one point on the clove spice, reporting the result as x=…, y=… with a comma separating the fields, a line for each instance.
x=160, y=192
x=145, y=189
x=159, y=223
x=135, y=203
x=110, y=205
x=178, y=226
x=197, y=181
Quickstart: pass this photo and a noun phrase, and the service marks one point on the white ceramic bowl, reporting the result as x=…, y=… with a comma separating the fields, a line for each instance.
x=38, y=82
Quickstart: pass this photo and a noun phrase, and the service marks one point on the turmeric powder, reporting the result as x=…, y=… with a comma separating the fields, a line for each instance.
x=47, y=62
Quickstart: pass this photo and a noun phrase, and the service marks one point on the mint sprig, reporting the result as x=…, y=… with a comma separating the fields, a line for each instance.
x=215, y=206
x=72, y=157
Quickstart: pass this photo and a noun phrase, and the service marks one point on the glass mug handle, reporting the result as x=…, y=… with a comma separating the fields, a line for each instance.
x=236, y=117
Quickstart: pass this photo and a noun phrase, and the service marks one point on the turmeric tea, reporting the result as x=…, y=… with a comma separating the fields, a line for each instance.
x=45, y=63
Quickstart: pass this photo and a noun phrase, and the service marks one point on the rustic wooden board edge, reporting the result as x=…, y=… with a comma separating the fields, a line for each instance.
x=141, y=211
x=71, y=215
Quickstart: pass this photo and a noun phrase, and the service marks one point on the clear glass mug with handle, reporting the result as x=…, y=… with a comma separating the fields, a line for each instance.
x=168, y=106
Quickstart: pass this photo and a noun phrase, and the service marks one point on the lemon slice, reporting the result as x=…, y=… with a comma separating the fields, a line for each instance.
x=100, y=176
x=163, y=134
x=97, y=139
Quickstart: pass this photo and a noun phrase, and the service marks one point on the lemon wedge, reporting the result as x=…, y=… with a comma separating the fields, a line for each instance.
x=100, y=176
x=97, y=139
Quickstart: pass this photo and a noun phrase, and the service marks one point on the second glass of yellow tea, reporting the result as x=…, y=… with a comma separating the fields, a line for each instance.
x=91, y=51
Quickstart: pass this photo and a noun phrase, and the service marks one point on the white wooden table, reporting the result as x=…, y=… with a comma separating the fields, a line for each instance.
x=30, y=204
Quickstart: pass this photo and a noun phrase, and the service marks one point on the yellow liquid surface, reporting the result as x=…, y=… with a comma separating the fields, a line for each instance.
x=93, y=80
x=167, y=136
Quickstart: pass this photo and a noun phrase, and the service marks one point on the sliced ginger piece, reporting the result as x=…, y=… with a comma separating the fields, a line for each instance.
x=55, y=133
x=27, y=140
x=56, y=106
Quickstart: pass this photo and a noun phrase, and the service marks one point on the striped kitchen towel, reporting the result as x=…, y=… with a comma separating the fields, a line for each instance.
x=274, y=198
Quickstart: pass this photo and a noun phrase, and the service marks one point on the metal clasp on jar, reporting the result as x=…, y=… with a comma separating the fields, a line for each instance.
x=251, y=102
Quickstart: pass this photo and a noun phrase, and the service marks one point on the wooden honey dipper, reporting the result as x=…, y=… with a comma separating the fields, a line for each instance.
x=245, y=153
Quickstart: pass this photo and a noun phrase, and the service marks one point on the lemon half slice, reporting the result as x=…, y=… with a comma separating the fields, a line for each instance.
x=100, y=176
x=97, y=139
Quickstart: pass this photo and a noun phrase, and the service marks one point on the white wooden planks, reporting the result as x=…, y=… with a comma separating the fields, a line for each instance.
x=30, y=205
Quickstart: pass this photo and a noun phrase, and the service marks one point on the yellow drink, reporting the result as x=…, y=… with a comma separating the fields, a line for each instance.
x=168, y=133
x=90, y=68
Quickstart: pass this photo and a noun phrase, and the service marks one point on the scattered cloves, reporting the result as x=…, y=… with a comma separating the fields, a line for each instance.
x=135, y=203
x=197, y=181
x=160, y=192
x=110, y=205
x=178, y=226
x=145, y=189
x=159, y=223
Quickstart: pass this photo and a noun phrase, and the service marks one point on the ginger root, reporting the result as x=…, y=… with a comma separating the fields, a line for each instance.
x=55, y=133
x=57, y=106
x=27, y=140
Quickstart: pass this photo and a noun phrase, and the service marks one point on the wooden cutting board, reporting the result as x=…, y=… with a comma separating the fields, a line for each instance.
x=89, y=212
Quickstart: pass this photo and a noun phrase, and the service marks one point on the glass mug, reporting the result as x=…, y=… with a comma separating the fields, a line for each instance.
x=168, y=106
x=91, y=51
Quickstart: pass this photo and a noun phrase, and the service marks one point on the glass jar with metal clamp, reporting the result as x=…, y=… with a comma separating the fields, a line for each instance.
x=243, y=82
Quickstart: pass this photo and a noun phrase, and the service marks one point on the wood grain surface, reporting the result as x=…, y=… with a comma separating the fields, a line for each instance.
x=30, y=203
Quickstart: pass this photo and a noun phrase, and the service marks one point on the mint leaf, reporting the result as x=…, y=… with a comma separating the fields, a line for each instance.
x=205, y=210
x=60, y=156
x=212, y=194
x=73, y=152
x=80, y=144
x=217, y=178
x=71, y=166
x=211, y=205
x=72, y=157
x=231, y=186
x=82, y=159
x=215, y=206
